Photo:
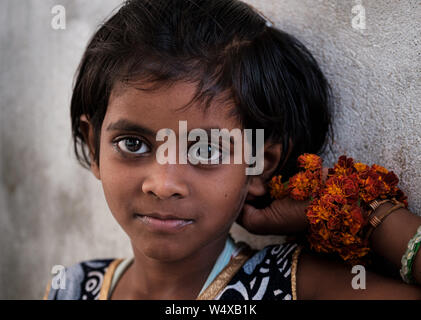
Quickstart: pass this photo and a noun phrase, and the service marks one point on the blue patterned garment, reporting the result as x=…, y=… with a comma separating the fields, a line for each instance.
x=266, y=275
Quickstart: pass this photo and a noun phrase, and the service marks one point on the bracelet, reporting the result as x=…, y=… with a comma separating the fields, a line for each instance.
x=409, y=257
x=376, y=203
x=297, y=252
x=375, y=221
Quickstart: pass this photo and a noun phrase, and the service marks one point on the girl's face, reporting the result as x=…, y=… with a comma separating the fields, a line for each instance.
x=206, y=199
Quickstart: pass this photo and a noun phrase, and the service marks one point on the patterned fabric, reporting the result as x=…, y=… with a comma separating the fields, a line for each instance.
x=83, y=281
x=265, y=276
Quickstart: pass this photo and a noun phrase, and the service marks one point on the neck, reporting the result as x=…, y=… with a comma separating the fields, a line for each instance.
x=181, y=279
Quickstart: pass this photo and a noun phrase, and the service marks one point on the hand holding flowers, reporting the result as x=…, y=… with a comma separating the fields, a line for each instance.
x=339, y=207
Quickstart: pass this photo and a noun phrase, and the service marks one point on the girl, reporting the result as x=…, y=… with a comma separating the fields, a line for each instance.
x=213, y=64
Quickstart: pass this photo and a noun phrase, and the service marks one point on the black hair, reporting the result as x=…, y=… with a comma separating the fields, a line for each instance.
x=227, y=48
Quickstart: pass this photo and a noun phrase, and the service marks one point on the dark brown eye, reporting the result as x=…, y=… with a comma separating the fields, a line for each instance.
x=132, y=145
x=209, y=153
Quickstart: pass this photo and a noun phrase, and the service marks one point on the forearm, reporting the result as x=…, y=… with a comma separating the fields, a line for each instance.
x=321, y=278
x=391, y=237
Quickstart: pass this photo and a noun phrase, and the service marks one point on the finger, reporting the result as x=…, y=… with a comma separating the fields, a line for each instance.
x=258, y=221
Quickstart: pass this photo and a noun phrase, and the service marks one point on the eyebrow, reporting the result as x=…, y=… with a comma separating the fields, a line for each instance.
x=127, y=125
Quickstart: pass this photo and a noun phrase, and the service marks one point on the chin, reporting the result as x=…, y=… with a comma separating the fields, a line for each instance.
x=166, y=251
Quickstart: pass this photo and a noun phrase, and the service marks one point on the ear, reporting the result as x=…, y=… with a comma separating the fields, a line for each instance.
x=258, y=184
x=88, y=133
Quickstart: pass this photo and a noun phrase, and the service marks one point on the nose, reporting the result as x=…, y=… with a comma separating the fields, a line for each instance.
x=166, y=181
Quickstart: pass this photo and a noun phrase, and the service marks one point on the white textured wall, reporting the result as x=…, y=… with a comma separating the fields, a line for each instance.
x=54, y=212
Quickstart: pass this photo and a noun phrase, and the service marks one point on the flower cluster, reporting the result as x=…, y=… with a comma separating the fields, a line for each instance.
x=304, y=184
x=338, y=208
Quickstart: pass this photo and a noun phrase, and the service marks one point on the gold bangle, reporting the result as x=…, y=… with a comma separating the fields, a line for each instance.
x=376, y=221
x=294, y=272
x=376, y=203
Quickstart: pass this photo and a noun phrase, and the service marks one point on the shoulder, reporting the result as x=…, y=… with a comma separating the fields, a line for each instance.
x=80, y=281
x=266, y=275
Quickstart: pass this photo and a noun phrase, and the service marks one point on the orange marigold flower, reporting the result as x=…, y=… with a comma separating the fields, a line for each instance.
x=278, y=189
x=343, y=186
x=315, y=182
x=357, y=220
x=379, y=169
x=361, y=167
x=320, y=210
x=310, y=162
x=373, y=187
x=334, y=222
x=323, y=232
x=391, y=179
x=344, y=167
x=347, y=239
x=331, y=203
x=302, y=186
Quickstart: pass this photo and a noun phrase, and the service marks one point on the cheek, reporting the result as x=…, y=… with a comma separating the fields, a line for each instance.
x=118, y=184
x=227, y=193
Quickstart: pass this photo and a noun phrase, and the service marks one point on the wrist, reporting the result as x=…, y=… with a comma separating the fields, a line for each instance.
x=390, y=239
x=377, y=232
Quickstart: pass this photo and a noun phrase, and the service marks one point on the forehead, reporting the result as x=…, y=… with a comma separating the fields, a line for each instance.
x=163, y=108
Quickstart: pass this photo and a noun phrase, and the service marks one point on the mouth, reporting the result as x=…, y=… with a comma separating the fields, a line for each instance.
x=163, y=223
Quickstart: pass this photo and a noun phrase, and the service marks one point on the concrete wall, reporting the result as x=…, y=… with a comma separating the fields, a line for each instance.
x=54, y=212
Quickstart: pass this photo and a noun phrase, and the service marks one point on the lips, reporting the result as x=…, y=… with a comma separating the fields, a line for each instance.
x=163, y=216
x=167, y=223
